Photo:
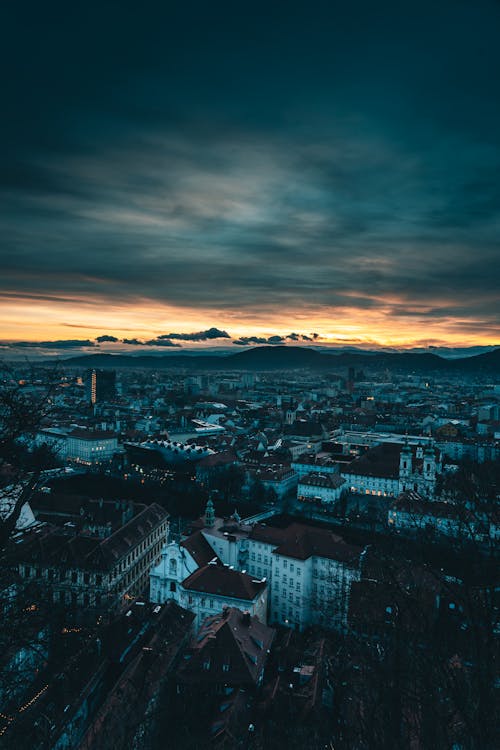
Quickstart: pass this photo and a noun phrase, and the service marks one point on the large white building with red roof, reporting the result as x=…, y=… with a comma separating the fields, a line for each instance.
x=308, y=570
x=191, y=573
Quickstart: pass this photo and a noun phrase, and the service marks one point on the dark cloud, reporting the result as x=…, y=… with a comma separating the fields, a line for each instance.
x=211, y=333
x=133, y=342
x=62, y=344
x=160, y=342
x=271, y=340
x=247, y=340
x=106, y=337
x=359, y=174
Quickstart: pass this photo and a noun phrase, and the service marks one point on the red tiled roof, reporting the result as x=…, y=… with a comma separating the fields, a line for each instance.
x=302, y=542
x=223, y=581
x=316, y=479
x=233, y=645
x=199, y=548
x=380, y=461
x=218, y=459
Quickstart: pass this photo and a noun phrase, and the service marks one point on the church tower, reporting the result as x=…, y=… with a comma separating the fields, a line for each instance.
x=429, y=471
x=405, y=467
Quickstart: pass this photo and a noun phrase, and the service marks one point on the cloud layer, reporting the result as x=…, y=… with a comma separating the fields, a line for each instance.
x=306, y=168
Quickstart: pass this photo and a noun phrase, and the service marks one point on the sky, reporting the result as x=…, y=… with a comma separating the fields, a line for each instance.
x=266, y=171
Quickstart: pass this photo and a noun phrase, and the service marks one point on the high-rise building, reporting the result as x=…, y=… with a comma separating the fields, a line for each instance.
x=100, y=385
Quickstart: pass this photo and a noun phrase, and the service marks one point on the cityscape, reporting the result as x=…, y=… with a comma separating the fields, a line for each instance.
x=250, y=376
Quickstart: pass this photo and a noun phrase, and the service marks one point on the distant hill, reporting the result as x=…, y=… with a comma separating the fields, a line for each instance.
x=296, y=357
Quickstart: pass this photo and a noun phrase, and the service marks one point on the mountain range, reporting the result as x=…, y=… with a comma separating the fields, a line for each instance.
x=296, y=357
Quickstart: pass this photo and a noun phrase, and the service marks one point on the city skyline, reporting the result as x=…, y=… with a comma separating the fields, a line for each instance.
x=321, y=176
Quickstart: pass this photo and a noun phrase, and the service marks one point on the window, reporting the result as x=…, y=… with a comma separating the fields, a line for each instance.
x=74, y=577
x=291, y=567
x=98, y=580
x=172, y=586
x=285, y=564
x=27, y=571
x=173, y=567
x=86, y=578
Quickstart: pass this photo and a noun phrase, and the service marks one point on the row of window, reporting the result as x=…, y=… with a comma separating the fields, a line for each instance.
x=63, y=575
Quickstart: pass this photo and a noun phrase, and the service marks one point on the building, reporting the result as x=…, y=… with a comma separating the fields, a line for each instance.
x=208, y=589
x=312, y=571
x=86, y=447
x=211, y=466
x=312, y=462
x=84, y=702
x=309, y=570
x=100, y=385
x=418, y=469
x=388, y=469
x=178, y=561
x=410, y=512
x=219, y=680
x=281, y=479
x=322, y=488
x=79, y=570
x=79, y=445
x=230, y=650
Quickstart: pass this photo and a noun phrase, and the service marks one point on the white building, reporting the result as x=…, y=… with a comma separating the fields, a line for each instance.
x=309, y=571
x=79, y=445
x=324, y=488
x=84, y=446
x=387, y=470
x=281, y=479
x=207, y=588
x=309, y=463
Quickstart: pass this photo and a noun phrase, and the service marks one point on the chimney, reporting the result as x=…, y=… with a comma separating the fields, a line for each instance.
x=245, y=618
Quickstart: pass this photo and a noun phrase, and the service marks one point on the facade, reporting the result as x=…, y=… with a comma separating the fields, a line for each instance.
x=387, y=470
x=282, y=479
x=208, y=589
x=418, y=469
x=311, y=463
x=324, y=488
x=309, y=571
x=79, y=445
x=88, y=447
x=100, y=385
x=229, y=651
x=80, y=570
